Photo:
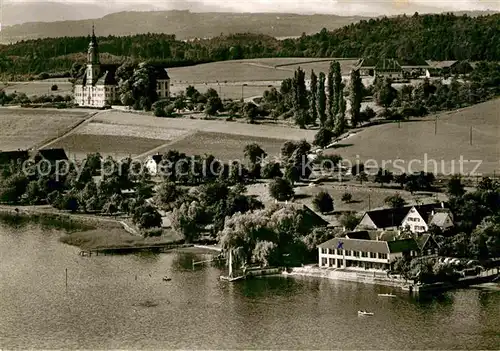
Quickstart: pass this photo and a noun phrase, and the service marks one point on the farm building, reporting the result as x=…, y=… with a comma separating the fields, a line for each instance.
x=416, y=219
x=98, y=87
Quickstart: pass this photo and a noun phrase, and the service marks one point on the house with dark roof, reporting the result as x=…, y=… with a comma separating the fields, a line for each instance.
x=8, y=157
x=440, y=68
x=51, y=155
x=97, y=87
x=366, y=66
x=414, y=68
x=389, y=68
x=362, y=253
x=416, y=219
x=427, y=245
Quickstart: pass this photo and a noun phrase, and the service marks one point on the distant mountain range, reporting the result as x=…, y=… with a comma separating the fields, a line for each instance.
x=195, y=19
x=184, y=24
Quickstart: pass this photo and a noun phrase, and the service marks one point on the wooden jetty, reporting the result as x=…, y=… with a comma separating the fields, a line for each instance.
x=131, y=249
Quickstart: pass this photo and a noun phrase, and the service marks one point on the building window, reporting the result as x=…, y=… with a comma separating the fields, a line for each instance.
x=347, y=252
x=327, y=251
x=324, y=261
x=373, y=255
x=323, y=251
x=340, y=252
x=382, y=256
x=364, y=254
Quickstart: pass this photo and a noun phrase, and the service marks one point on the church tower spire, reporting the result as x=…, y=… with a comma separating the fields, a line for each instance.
x=93, y=51
x=93, y=66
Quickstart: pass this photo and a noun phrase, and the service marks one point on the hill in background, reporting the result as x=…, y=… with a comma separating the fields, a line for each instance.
x=184, y=24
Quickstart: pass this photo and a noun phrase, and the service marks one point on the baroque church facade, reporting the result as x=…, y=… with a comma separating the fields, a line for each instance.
x=98, y=87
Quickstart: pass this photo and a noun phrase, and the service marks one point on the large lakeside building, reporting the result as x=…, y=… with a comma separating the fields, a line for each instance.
x=98, y=87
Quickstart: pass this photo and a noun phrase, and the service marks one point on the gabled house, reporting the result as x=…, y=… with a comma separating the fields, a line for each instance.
x=414, y=68
x=389, y=68
x=366, y=66
x=387, y=218
x=416, y=219
x=427, y=245
x=362, y=253
x=439, y=68
x=443, y=219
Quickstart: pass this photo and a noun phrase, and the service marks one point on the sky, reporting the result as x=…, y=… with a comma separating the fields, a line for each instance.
x=341, y=7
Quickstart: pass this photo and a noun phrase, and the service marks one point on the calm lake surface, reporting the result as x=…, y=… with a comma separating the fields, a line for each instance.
x=105, y=307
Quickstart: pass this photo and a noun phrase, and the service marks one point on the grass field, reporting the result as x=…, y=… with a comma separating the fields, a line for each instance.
x=416, y=140
x=262, y=69
x=229, y=90
x=39, y=87
x=79, y=145
x=225, y=147
x=120, y=119
x=26, y=128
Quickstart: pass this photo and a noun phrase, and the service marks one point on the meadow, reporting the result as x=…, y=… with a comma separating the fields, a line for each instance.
x=39, y=87
x=120, y=119
x=225, y=147
x=29, y=128
x=445, y=138
x=77, y=146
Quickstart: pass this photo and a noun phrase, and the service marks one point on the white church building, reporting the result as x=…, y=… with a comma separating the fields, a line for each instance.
x=98, y=87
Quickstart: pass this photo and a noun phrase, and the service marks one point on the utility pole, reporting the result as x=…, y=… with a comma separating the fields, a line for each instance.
x=435, y=125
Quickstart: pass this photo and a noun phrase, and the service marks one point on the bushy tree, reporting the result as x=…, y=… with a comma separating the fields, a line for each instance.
x=323, y=202
x=323, y=137
x=395, y=201
x=271, y=170
x=347, y=197
x=254, y=153
x=281, y=189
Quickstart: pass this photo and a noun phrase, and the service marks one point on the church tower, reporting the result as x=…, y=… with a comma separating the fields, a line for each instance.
x=93, y=66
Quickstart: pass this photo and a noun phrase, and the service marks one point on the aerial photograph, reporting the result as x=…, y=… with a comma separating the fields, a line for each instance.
x=249, y=175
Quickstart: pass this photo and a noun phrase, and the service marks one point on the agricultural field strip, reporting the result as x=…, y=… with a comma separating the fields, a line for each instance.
x=236, y=128
x=167, y=134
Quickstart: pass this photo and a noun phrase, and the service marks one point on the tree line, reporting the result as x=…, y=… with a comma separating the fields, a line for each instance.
x=436, y=37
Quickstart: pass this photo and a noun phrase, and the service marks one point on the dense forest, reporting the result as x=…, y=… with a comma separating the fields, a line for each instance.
x=436, y=37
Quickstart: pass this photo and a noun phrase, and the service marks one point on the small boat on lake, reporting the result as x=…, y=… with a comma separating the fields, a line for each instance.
x=365, y=313
x=230, y=277
x=386, y=295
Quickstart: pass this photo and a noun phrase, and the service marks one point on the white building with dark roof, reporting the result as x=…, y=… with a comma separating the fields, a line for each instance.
x=362, y=253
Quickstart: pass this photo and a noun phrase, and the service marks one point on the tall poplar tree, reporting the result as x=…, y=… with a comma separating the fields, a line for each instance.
x=300, y=101
x=321, y=100
x=337, y=88
x=330, y=120
x=340, y=123
x=355, y=96
x=313, y=97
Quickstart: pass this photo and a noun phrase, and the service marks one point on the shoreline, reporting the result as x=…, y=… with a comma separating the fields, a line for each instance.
x=380, y=278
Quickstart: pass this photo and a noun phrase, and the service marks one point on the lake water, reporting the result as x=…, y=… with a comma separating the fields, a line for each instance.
x=104, y=306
